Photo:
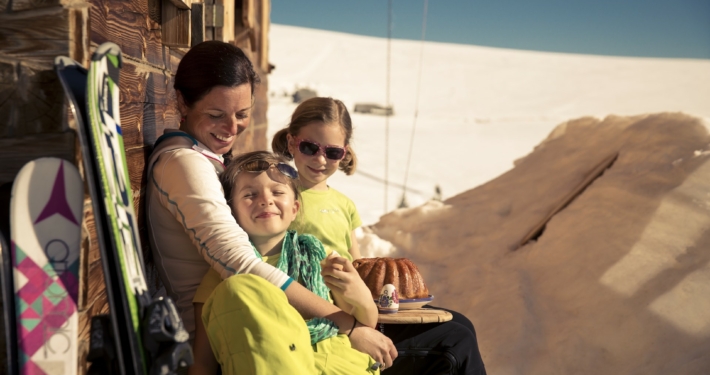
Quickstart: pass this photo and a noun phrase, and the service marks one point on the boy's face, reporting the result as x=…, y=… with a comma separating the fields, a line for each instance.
x=263, y=204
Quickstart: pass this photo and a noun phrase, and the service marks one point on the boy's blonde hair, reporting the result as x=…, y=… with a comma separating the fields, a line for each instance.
x=229, y=177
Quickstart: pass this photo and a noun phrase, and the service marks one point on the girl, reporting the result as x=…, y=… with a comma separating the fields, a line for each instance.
x=271, y=337
x=318, y=141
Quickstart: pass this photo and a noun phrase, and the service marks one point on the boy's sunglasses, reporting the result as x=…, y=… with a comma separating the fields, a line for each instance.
x=262, y=166
x=311, y=148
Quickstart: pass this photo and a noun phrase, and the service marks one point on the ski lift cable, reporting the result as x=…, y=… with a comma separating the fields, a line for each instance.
x=387, y=116
x=416, y=103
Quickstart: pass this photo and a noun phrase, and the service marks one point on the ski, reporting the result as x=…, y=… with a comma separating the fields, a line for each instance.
x=46, y=212
x=8, y=296
x=144, y=336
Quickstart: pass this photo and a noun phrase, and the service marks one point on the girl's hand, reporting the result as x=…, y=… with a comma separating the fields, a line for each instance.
x=349, y=291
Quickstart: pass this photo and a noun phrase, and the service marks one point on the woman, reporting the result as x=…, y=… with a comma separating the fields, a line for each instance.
x=190, y=225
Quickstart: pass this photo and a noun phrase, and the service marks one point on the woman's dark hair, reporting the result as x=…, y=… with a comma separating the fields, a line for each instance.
x=209, y=64
x=319, y=110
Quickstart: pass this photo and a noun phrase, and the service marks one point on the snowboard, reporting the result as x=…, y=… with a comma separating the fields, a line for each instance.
x=144, y=335
x=46, y=212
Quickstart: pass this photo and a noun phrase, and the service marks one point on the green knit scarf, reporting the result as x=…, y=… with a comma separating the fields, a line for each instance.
x=300, y=259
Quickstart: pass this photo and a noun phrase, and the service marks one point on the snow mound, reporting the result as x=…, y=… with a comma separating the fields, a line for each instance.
x=618, y=281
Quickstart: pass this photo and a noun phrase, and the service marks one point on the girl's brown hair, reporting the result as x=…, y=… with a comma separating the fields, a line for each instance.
x=323, y=110
x=229, y=177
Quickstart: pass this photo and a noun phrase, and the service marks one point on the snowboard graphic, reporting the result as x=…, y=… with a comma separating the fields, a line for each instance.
x=147, y=334
x=46, y=212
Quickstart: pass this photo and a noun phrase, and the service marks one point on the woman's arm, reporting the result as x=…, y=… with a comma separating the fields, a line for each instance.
x=204, y=360
x=190, y=191
x=354, y=247
x=362, y=338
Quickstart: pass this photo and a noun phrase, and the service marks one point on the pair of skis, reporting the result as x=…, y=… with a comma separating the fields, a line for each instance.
x=141, y=335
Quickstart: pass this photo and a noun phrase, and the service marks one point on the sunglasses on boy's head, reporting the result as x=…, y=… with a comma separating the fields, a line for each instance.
x=311, y=148
x=262, y=166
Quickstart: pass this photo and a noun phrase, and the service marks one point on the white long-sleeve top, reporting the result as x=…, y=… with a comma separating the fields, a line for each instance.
x=190, y=225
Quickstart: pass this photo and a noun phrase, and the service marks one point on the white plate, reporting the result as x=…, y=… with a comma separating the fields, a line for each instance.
x=411, y=304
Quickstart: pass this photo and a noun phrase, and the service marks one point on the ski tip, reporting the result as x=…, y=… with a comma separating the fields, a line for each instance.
x=61, y=62
x=107, y=48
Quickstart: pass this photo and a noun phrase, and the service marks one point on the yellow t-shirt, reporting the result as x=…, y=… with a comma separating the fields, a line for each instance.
x=331, y=217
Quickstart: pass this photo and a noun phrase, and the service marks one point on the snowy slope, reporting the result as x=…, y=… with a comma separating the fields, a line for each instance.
x=480, y=108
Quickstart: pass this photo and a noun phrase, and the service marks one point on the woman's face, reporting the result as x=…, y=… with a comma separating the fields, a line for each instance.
x=263, y=204
x=314, y=170
x=219, y=117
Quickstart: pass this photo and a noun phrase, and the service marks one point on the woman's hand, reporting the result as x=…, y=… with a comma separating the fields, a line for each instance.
x=349, y=291
x=373, y=343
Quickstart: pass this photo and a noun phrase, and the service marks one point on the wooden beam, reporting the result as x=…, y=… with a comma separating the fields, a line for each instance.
x=182, y=4
x=197, y=24
x=264, y=37
x=176, y=25
x=22, y=39
x=16, y=152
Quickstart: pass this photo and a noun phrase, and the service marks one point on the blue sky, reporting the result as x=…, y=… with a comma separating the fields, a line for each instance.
x=648, y=28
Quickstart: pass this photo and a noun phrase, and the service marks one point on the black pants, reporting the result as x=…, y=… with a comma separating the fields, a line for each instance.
x=435, y=348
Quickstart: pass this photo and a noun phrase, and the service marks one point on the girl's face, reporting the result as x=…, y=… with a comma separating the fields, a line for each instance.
x=263, y=205
x=314, y=170
x=217, y=119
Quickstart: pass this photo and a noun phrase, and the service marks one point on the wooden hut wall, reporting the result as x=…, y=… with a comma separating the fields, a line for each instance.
x=34, y=116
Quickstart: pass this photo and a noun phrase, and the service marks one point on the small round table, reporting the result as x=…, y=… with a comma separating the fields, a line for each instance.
x=415, y=316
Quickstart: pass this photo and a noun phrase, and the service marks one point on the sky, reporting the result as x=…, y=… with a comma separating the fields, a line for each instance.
x=642, y=28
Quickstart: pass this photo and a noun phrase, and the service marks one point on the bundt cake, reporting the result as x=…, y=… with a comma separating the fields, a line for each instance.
x=400, y=272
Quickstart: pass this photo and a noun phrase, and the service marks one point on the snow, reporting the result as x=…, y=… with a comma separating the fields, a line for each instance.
x=480, y=108
x=619, y=280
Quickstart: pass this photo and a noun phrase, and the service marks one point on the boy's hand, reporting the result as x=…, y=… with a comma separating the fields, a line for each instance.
x=346, y=285
x=377, y=345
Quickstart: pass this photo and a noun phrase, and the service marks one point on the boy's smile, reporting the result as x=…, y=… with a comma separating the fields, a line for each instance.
x=263, y=205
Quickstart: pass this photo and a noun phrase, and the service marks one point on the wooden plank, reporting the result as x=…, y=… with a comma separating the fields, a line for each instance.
x=15, y=152
x=264, y=37
x=176, y=25
x=135, y=160
x=174, y=57
x=79, y=35
x=198, y=24
x=141, y=83
x=226, y=32
x=18, y=5
x=143, y=123
x=595, y=173
x=182, y=4
x=34, y=106
x=23, y=40
x=127, y=23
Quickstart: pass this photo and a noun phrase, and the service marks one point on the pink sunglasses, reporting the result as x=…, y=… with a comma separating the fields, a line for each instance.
x=311, y=148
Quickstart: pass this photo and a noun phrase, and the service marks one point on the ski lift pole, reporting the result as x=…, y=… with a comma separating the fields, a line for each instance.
x=403, y=202
x=387, y=90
